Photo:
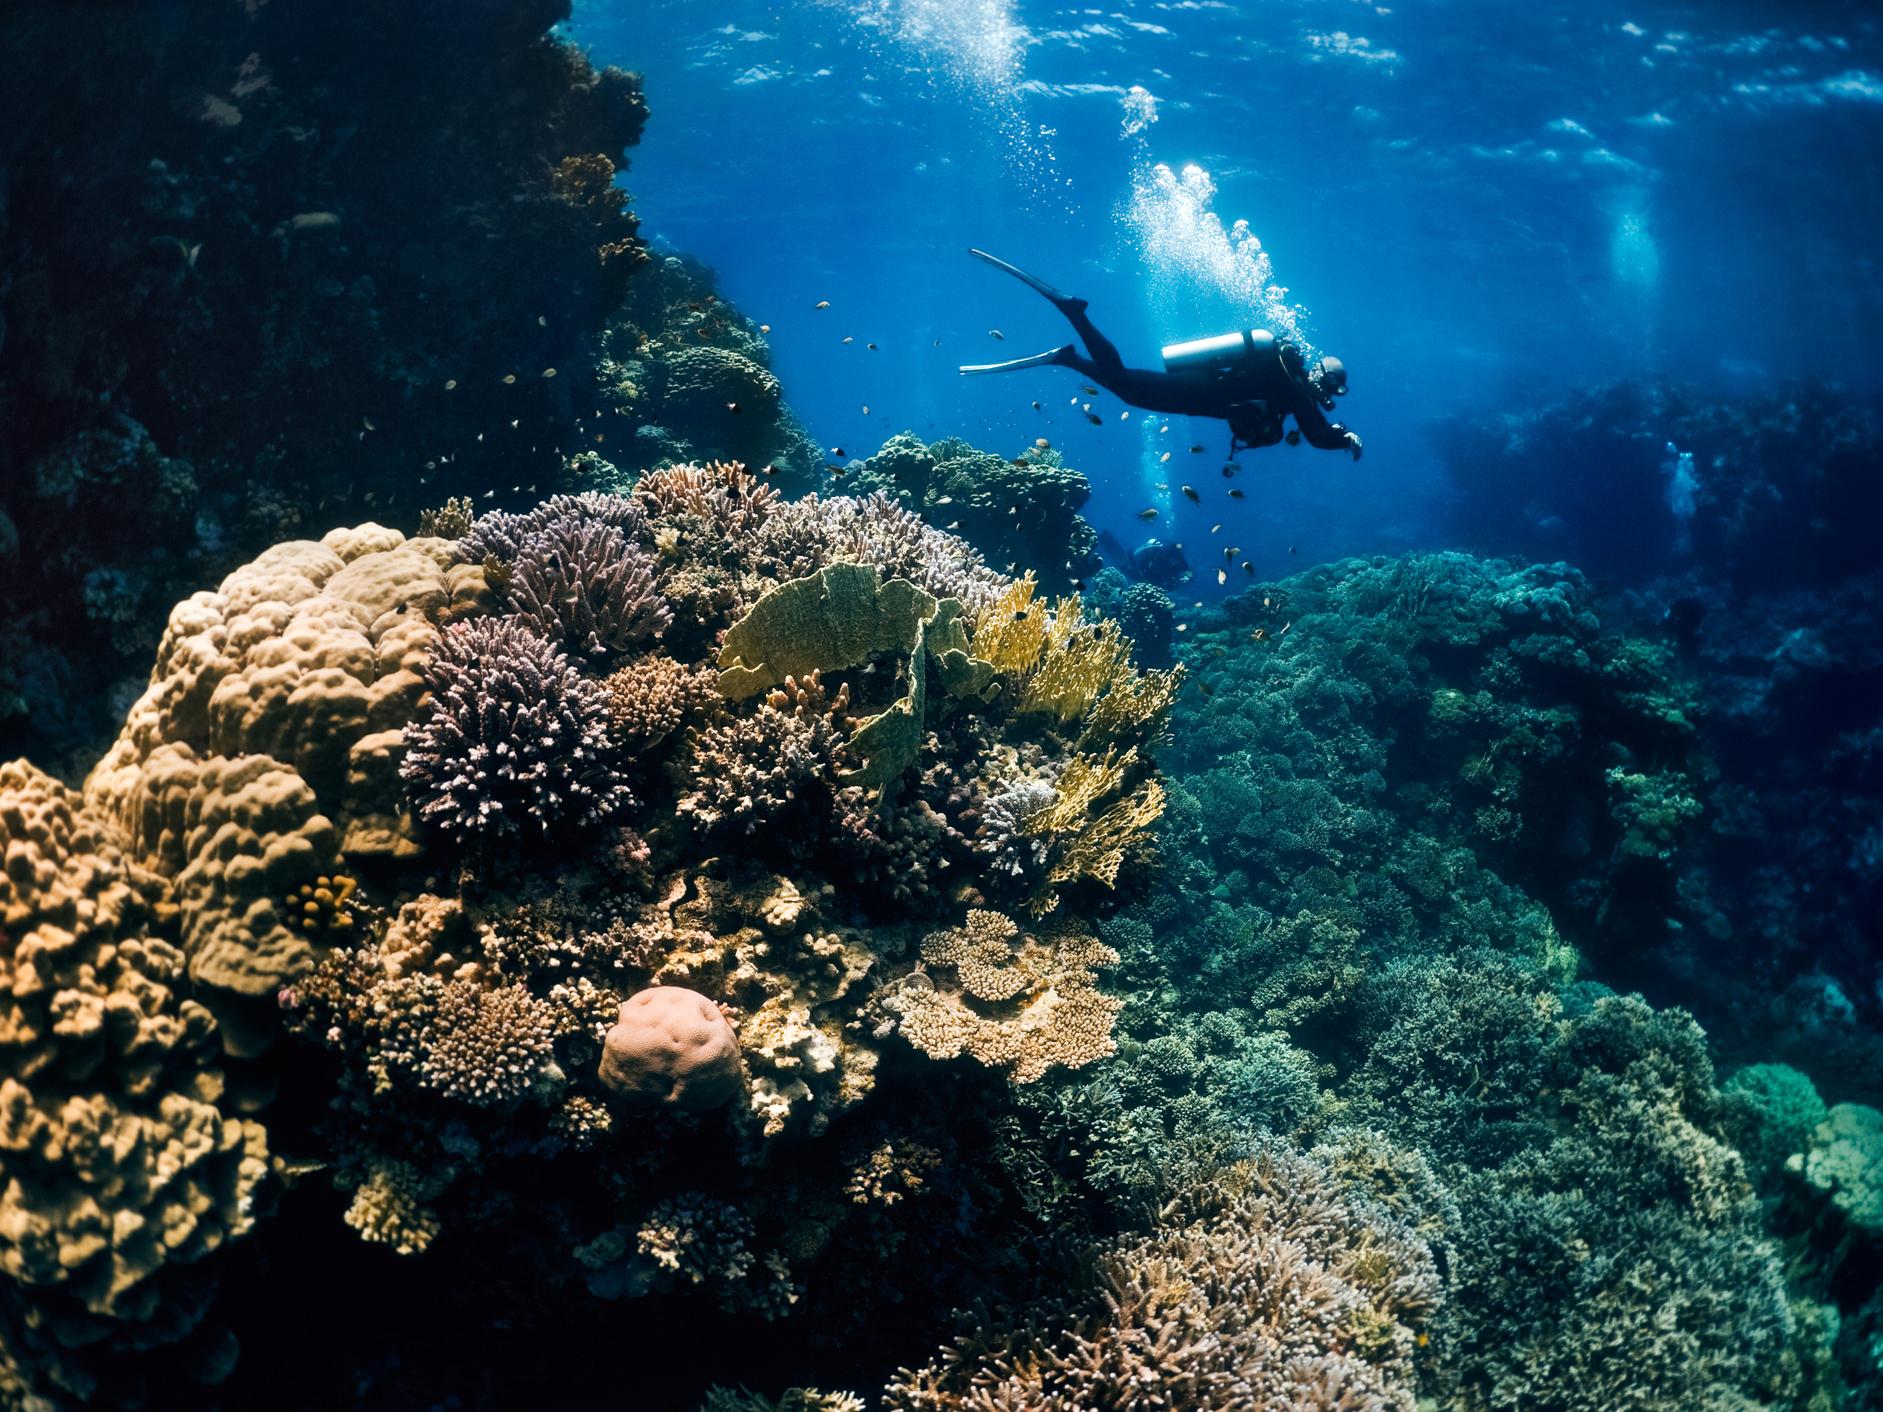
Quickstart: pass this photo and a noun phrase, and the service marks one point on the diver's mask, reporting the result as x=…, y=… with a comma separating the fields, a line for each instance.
x=1330, y=375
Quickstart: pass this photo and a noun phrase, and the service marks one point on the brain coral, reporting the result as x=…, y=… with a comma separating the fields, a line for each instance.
x=266, y=748
x=118, y=1165
x=672, y=1045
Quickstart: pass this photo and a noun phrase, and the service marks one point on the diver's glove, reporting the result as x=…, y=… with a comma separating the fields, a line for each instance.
x=1353, y=445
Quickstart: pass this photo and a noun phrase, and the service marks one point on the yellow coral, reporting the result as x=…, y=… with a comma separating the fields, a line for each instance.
x=1099, y=849
x=392, y=1207
x=1011, y=632
x=321, y=905
x=1134, y=711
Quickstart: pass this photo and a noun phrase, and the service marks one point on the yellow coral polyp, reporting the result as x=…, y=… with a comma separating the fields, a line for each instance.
x=320, y=906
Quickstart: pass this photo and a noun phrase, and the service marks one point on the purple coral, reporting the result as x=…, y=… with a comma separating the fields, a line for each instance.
x=501, y=534
x=803, y=536
x=513, y=744
x=585, y=583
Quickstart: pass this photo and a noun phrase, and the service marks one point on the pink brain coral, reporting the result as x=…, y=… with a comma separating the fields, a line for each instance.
x=672, y=1044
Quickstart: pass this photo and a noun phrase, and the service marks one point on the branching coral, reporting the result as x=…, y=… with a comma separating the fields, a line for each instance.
x=650, y=697
x=581, y=582
x=1264, y=1285
x=513, y=744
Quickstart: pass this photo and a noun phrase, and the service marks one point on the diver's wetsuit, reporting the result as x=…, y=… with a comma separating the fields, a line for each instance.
x=1252, y=391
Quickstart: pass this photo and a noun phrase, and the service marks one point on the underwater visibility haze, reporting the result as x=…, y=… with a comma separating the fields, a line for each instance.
x=941, y=706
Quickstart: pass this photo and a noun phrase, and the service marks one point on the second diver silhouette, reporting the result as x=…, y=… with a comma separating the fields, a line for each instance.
x=1250, y=379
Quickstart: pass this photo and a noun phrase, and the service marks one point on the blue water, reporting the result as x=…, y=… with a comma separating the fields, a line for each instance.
x=1468, y=202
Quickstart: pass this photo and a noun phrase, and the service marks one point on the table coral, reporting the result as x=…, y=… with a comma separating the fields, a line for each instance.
x=1023, y=1003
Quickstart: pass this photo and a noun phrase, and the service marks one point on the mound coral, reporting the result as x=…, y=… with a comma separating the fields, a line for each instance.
x=672, y=1045
x=121, y=1167
x=266, y=749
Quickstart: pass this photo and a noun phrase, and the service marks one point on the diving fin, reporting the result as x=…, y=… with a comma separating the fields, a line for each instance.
x=1038, y=360
x=1040, y=286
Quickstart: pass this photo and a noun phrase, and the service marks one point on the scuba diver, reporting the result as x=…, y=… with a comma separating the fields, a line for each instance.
x=1250, y=380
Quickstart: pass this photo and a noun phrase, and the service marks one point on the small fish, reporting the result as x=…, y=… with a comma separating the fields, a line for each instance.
x=953, y=525
x=1085, y=406
x=997, y=335
x=821, y=304
x=542, y=321
x=1165, y=457
x=1088, y=390
x=489, y=493
x=834, y=470
x=1124, y=416
x=367, y=422
x=768, y=469
x=1196, y=450
x=1190, y=494
x=1258, y=635
x=837, y=451
x=515, y=422
x=1267, y=601
x=509, y=378
x=1215, y=528
x=866, y=409
x=938, y=343
x=549, y=372
x=848, y=339
x=1183, y=627
x=1229, y=551
x=870, y=346
x=1205, y=687
x=1148, y=513
x=1293, y=550
x=1019, y=615
x=764, y=328
x=1249, y=569
x=1234, y=493
x=1036, y=406
x=1078, y=583
x=1095, y=419
x=1284, y=629
x=944, y=500
x=732, y=406
x=451, y=384
x=1222, y=576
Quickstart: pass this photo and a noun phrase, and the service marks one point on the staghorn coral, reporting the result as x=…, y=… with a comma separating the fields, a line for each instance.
x=119, y=1164
x=756, y=769
x=797, y=1399
x=512, y=745
x=583, y=583
x=1026, y=1008
x=1270, y=1283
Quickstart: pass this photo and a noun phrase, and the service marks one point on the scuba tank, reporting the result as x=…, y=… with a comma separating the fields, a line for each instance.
x=1219, y=353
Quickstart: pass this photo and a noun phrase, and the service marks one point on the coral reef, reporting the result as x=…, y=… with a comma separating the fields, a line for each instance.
x=265, y=296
